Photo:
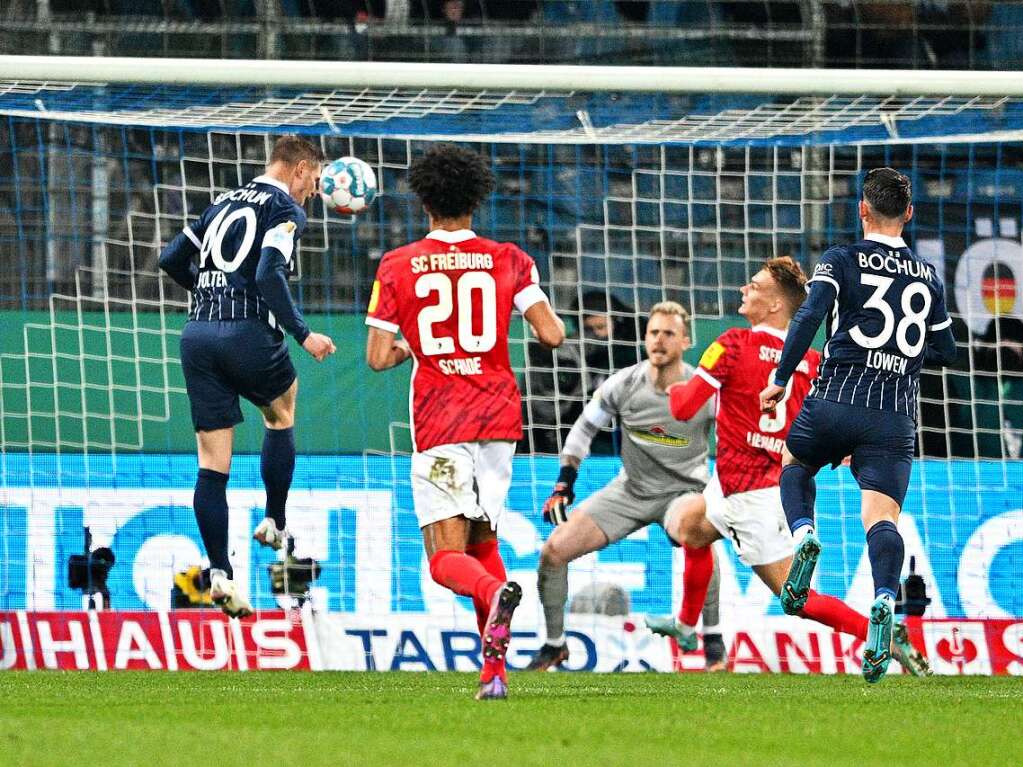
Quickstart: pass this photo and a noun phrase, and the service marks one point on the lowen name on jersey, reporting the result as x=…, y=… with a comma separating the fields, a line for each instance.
x=891, y=363
x=441, y=262
x=472, y=366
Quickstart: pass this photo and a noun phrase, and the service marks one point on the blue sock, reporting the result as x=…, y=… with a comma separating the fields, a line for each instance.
x=886, y=550
x=798, y=495
x=277, y=465
x=210, y=503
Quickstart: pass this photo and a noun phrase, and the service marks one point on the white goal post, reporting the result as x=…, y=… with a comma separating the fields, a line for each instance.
x=628, y=185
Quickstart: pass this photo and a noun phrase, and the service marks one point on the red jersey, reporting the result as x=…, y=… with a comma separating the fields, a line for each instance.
x=451, y=295
x=739, y=365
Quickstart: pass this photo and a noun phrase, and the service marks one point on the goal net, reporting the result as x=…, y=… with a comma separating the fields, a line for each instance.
x=624, y=198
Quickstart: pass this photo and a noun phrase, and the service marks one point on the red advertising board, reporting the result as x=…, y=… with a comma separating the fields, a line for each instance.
x=182, y=640
x=206, y=640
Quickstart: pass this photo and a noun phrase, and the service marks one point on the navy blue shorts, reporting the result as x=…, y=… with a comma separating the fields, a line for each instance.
x=223, y=361
x=880, y=442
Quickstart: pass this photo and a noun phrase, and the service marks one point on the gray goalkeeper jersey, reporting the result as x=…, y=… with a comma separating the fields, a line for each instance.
x=659, y=454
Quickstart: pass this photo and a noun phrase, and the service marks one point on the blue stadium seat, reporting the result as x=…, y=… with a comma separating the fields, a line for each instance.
x=569, y=11
x=1005, y=35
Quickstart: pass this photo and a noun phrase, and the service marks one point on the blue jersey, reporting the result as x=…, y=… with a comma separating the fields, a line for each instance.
x=230, y=236
x=886, y=302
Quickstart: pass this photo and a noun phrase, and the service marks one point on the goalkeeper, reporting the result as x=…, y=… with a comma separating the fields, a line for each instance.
x=662, y=460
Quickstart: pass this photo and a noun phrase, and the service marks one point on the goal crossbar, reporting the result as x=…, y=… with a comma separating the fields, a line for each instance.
x=623, y=79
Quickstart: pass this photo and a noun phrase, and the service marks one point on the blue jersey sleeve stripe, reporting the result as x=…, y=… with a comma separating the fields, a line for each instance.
x=821, y=278
x=942, y=325
x=191, y=235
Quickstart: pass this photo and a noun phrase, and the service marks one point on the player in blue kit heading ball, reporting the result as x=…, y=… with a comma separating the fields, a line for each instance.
x=886, y=318
x=233, y=344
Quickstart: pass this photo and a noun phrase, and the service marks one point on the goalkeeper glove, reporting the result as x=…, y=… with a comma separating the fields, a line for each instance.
x=555, y=508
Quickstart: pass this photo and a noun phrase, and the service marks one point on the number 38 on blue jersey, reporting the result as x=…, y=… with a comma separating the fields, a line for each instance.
x=887, y=301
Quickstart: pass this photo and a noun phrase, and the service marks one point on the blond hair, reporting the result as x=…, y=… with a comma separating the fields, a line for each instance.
x=670, y=307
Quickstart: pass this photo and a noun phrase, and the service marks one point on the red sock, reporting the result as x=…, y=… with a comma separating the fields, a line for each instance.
x=488, y=555
x=695, y=580
x=834, y=613
x=464, y=575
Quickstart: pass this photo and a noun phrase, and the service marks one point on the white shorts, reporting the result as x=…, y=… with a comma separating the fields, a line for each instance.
x=753, y=521
x=463, y=479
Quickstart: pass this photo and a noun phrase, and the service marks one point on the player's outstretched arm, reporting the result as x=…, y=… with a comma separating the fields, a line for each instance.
x=687, y=397
x=177, y=260
x=384, y=351
x=546, y=325
x=803, y=328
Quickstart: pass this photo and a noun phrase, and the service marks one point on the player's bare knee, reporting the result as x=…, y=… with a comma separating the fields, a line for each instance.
x=278, y=420
x=689, y=530
x=878, y=507
x=552, y=555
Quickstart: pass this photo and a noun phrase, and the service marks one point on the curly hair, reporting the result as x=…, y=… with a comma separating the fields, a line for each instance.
x=451, y=181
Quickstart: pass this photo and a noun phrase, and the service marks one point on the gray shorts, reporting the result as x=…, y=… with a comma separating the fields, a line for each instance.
x=619, y=513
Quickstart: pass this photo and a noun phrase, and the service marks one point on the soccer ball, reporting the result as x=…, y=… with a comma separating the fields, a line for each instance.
x=348, y=185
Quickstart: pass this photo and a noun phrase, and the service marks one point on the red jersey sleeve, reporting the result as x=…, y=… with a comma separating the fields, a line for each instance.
x=527, y=281
x=383, y=301
x=813, y=357
x=719, y=360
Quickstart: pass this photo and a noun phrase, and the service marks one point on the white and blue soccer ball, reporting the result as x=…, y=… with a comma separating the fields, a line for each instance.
x=348, y=185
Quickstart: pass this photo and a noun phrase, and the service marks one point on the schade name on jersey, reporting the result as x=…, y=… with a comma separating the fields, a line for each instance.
x=460, y=366
x=451, y=296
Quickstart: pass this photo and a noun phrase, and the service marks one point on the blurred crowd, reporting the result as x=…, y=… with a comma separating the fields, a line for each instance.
x=973, y=34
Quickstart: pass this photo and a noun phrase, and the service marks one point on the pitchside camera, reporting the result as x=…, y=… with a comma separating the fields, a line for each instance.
x=293, y=576
x=88, y=572
x=913, y=599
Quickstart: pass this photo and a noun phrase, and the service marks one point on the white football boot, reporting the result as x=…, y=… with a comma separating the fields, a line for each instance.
x=267, y=534
x=225, y=594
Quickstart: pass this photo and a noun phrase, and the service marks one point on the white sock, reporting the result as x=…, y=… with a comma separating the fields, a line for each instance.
x=715, y=629
x=800, y=533
x=557, y=641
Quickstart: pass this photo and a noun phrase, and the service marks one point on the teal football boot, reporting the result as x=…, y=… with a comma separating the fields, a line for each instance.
x=877, y=653
x=906, y=654
x=669, y=627
x=796, y=587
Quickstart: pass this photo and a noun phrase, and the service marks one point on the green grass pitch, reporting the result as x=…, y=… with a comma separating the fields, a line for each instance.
x=252, y=719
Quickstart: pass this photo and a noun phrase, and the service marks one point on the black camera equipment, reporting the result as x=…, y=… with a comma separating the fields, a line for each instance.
x=88, y=572
x=293, y=576
x=912, y=599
